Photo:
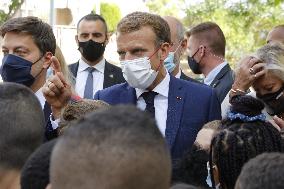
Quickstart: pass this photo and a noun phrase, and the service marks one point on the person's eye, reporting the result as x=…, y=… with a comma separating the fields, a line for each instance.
x=138, y=52
x=5, y=52
x=121, y=55
x=84, y=36
x=20, y=53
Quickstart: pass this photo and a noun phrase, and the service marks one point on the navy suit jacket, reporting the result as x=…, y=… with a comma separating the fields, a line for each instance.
x=223, y=82
x=190, y=106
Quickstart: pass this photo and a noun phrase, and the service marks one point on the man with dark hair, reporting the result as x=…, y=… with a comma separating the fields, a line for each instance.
x=276, y=35
x=35, y=172
x=118, y=148
x=178, y=47
x=180, y=107
x=265, y=171
x=206, y=46
x=28, y=45
x=21, y=130
x=92, y=71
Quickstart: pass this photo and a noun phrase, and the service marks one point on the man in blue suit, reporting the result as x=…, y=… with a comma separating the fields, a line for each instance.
x=180, y=107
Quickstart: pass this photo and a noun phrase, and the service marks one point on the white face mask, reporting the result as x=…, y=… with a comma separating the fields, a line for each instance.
x=138, y=72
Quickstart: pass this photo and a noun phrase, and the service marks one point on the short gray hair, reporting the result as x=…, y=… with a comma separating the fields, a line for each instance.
x=273, y=56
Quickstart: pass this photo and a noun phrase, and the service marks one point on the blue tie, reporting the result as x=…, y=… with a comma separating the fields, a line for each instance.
x=149, y=100
x=88, y=93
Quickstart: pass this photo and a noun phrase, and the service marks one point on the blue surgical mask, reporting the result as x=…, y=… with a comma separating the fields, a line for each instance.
x=18, y=70
x=49, y=72
x=169, y=62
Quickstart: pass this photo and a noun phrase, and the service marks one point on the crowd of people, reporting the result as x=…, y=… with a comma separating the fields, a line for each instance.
x=145, y=124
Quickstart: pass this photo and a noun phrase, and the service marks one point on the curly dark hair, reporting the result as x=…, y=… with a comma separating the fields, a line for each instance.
x=239, y=141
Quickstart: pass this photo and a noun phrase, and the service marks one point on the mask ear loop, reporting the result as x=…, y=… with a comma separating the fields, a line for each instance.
x=153, y=55
x=41, y=68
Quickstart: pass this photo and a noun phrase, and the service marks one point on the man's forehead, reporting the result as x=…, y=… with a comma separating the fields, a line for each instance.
x=136, y=39
x=13, y=39
x=91, y=26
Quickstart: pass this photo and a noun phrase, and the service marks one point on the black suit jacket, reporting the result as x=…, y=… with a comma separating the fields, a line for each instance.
x=185, y=77
x=223, y=82
x=112, y=74
x=49, y=132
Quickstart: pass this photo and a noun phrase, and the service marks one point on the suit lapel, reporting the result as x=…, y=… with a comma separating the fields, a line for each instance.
x=46, y=111
x=175, y=108
x=219, y=76
x=128, y=96
x=74, y=68
x=108, y=76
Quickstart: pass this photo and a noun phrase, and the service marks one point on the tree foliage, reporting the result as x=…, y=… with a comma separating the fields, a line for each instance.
x=12, y=8
x=245, y=23
x=111, y=14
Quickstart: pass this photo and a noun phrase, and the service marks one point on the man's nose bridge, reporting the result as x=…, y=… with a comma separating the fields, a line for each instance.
x=128, y=56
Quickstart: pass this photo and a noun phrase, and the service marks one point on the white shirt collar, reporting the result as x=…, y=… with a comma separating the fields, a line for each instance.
x=211, y=76
x=178, y=74
x=162, y=88
x=40, y=97
x=100, y=66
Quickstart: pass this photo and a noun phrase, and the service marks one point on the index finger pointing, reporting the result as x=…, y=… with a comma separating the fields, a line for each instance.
x=55, y=65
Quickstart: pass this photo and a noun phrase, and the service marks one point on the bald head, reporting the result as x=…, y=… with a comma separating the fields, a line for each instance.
x=276, y=35
x=179, y=43
x=176, y=28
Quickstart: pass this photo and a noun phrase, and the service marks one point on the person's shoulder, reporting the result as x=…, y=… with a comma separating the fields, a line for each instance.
x=192, y=84
x=115, y=88
x=112, y=66
x=72, y=65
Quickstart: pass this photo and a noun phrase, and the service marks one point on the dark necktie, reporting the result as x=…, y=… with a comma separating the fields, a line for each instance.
x=149, y=100
x=88, y=93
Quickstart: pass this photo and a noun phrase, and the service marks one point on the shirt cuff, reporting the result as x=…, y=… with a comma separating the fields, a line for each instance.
x=54, y=123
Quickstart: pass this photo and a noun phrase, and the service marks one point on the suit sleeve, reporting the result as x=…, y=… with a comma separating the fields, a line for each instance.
x=97, y=96
x=215, y=108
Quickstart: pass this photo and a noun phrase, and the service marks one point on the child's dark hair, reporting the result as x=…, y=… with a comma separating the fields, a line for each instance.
x=240, y=140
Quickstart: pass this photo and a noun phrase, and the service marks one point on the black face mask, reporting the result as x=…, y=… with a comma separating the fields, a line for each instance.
x=91, y=50
x=193, y=64
x=274, y=102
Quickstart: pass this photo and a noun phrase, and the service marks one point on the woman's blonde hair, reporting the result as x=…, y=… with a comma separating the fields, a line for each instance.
x=273, y=56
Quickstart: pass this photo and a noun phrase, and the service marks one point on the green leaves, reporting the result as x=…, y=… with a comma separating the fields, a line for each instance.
x=111, y=14
x=13, y=7
x=245, y=23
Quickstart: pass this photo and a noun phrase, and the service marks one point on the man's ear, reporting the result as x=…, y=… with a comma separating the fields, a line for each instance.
x=77, y=40
x=202, y=50
x=47, y=60
x=108, y=35
x=165, y=49
x=48, y=186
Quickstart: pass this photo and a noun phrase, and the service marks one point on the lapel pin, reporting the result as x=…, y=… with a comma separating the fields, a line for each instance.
x=111, y=76
x=179, y=98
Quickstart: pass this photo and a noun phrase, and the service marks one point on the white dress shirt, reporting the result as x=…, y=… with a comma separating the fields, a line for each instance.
x=40, y=97
x=211, y=76
x=160, y=102
x=82, y=75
